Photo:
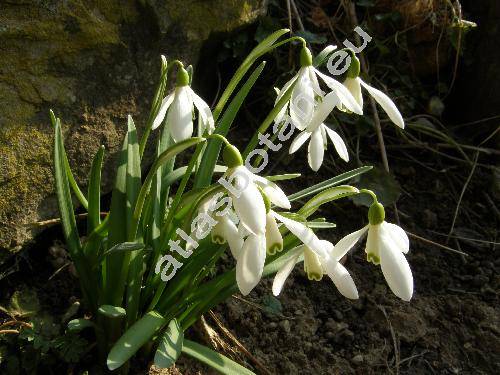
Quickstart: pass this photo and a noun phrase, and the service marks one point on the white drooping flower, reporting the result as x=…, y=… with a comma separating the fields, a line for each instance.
x=317, y=131
x=354, y=83
x=386, y=245
x=180, y=105
x=316, y=266
x=223, y=224
x=303, y=99
x=250, y=262
x=246, y=190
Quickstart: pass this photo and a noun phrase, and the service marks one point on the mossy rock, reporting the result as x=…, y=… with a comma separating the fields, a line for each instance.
x=93, y=63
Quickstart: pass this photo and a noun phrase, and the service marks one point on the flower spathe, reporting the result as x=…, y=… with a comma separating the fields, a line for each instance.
x=386, y=245
x=180, y=105
x=317, y=132
x=316, y=266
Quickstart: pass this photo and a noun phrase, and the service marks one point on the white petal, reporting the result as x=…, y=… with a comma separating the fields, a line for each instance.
x=273, y=192
x=302, y=100
x=386, y=103
x=339, y=144
x=165, y=103
x=180, y=115
x=344, y=95
x=398, y=235
x=314, y=81
x=286, y=269
x=323, y=110
x=316, y=150
x=342, y=279
x=250, y=263
x=396, y=269
x=286, y=87
x=354, y=87
x=274, y=240
x=304, y=234
x=249, y=206
x=299, y=141
x=204, y=111
x=346, y=243
x=232, y=236
x=281, y=114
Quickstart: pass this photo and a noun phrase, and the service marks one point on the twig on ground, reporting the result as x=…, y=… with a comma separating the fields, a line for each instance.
x=350, y=8
x=436, y=244
x=394, y=338
x=49, y=222
x=239, y=345
x=297, y=15
x=455, y=215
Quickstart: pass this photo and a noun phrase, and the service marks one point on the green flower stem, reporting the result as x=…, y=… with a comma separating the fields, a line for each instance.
x=370, y=193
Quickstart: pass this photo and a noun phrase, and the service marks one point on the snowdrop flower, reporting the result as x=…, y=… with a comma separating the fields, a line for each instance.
x=386, y=245
x=222, y=223
x=250, y=262
x=316, y=266
x=245, y=187
x=317, y=131
x=354, y=83
x=180, y=105
x=302, y=101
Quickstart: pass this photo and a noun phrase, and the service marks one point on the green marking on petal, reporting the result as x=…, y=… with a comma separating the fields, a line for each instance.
x=373, y=258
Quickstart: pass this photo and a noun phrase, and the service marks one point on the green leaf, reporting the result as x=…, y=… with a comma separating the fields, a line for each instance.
x=162, y=159
x=269, y=120
x=262, y=48
x=77, y=325
x=323, y=56
x=63, y=193
x=134, y=338
x=283, y=177
x=121, y=248
x=112, y=311
x=320, y=225
x=123, y=199
x=211, y=154
x=213, y=359
x=155, y=106
x=74, y=186
x=326, y=196
x=94, y=192
x=328, y=183
x=170, y=345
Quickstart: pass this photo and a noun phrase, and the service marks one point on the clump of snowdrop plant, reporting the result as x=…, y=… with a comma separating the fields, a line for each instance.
x=148, y=268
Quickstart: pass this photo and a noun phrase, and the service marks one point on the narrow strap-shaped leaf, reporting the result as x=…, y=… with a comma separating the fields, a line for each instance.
x=68, y=220
x=94, y=192
x=269, y=120
x=77, y=325
x=328, y=183
x=211, y=154
x=162, y=159
x=112, y=311
x=121, y=248
x=134, y=338
x=326, y=196
x=323, y=56
x=123, y=200
x=74, y=185
x=262, y=48
x=64, y=195
x=155, y=105
x=213, y=359
x=170, y=345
